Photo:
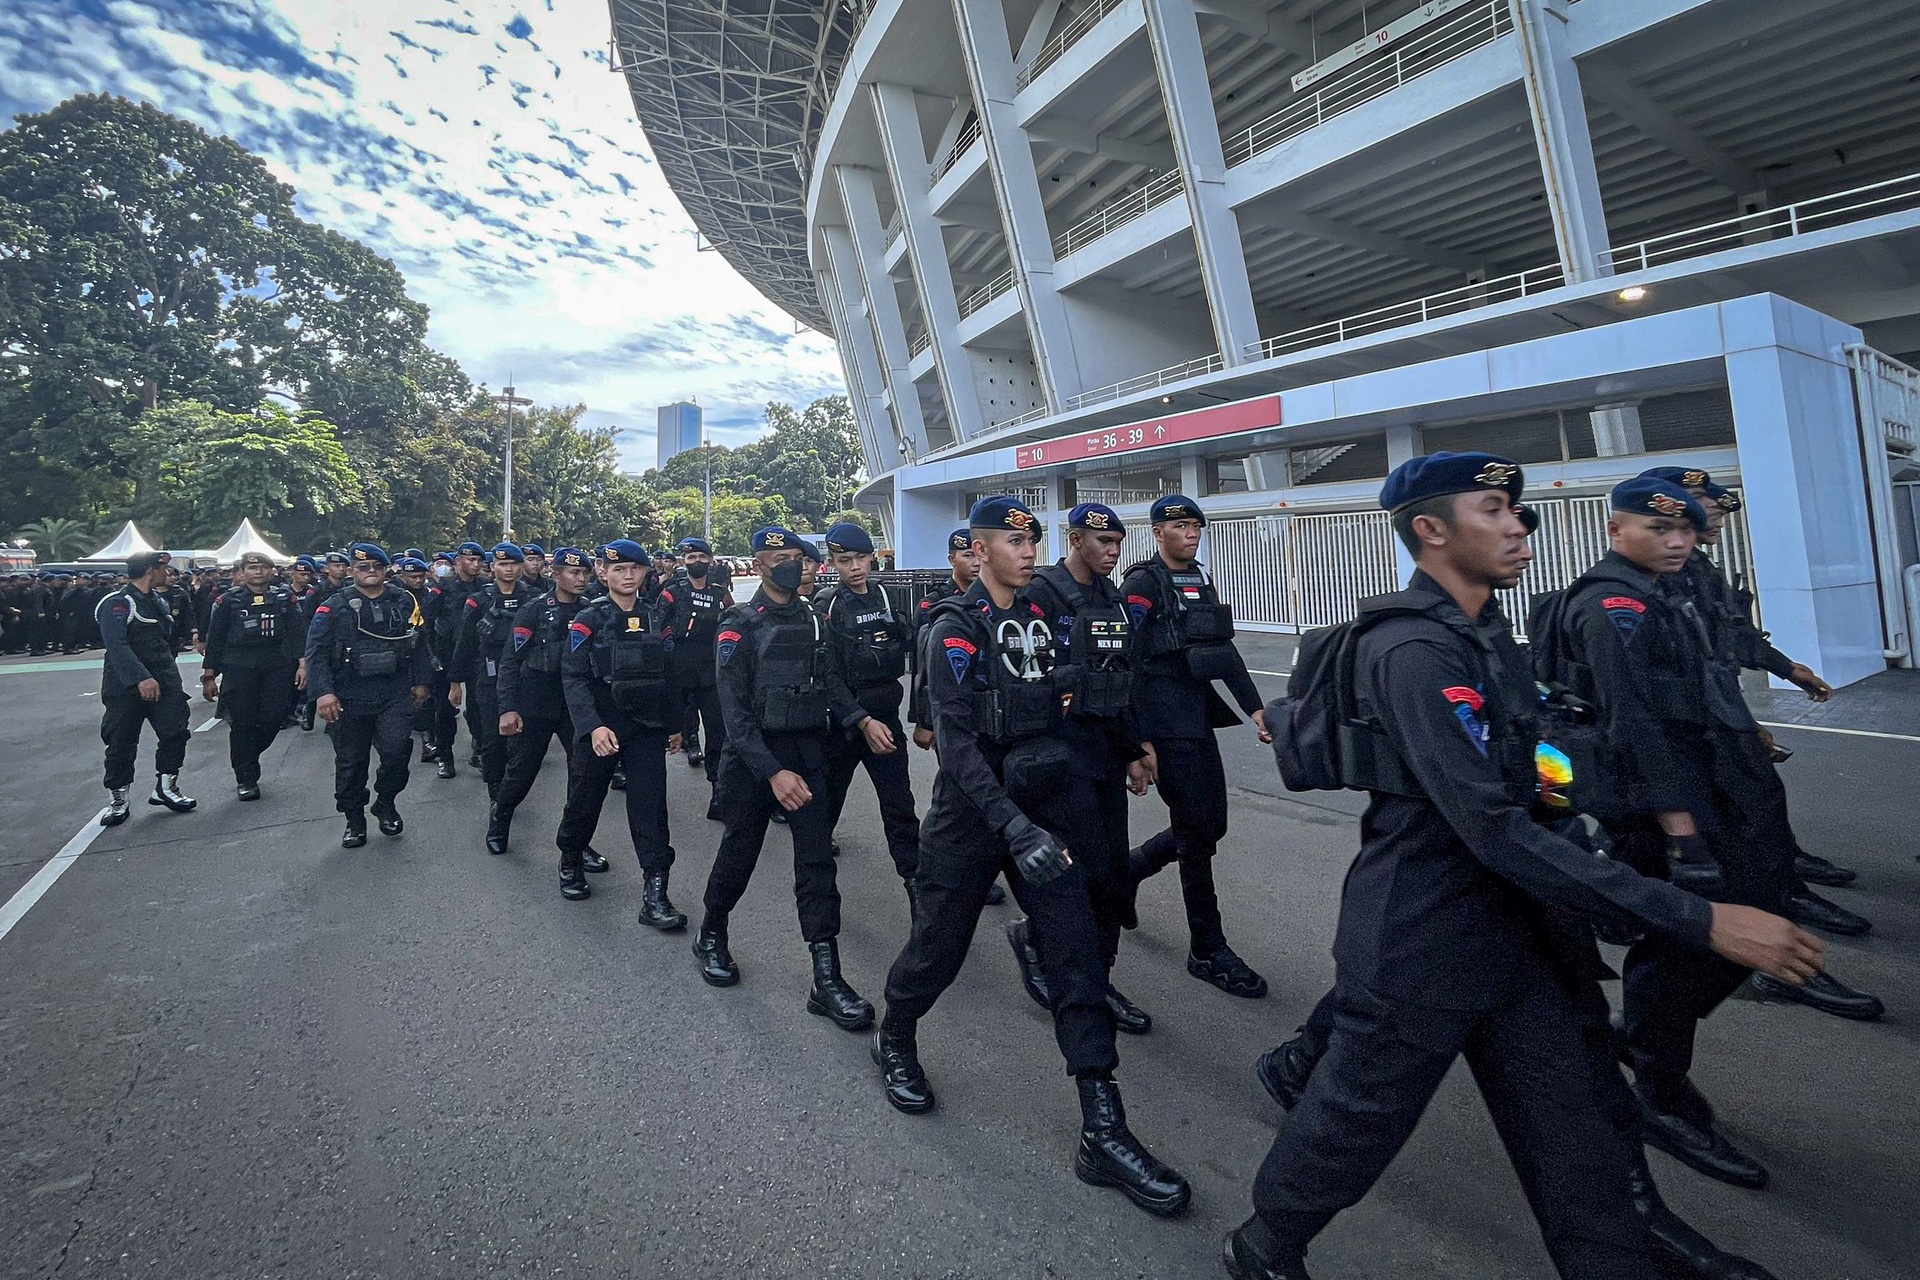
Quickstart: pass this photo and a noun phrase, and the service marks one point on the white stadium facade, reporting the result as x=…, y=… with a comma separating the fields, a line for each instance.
x=1259, y=252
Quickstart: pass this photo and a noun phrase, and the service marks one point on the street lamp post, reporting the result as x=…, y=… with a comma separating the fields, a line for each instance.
x=706, y=447
x=507, y=398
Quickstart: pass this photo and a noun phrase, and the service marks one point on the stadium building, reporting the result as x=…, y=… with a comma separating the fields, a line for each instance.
x=1260, y=252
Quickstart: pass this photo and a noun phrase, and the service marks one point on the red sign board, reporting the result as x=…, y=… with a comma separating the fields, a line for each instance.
x=1199, y=424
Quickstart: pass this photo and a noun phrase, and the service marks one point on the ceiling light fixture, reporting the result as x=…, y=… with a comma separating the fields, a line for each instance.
x=1632, y=293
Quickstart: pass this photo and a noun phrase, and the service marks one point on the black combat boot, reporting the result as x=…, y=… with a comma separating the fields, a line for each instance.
x=1285, y=1069
x=427, y=752
x=1110, y=1156
x=1127, y=1016
x=619, y=780
x=1033, y=978
x=1677, y=1249
x=1251, y=1253
x=717, y=968
x=1694, y=1140
x=473, y=759
x=443, y=765
x=499, y=828
x=306, y=717
x=1228, y=972
x=656, y=909
x=898, y=1057
x=695, y=756
x=831, y=997
x=116, y=810
x=713, y=808
x=573, y=877
x=593, y=862
x=248, y=790
x=166, y=794
x=356, y=833
x=390, y=820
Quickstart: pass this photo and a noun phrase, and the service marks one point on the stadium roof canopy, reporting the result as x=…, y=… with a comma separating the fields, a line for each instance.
x=732, y=94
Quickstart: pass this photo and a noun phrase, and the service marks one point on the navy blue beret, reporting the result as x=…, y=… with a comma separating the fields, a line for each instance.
x=1003, y=512
x=1724, y=498
x=848, y=536
x=1529, y=518
x=410, y=564
x=811, y=551
x=338, y=557
x=508, y=551
x=1685, y=477
x=306, y=562
x=571, y=558
x=775, y=538
x=368, y=552
x=1095, y=516
x=1434, y=475
x=440, y=557
x=696, y=544
x=1644, y=496
x=416, y=553
x=1175, y=506
x=624, y=551
x=959, y=540
x=471, y=549
x=535, y=549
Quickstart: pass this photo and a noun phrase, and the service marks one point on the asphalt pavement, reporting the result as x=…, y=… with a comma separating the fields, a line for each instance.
x=229, y=1047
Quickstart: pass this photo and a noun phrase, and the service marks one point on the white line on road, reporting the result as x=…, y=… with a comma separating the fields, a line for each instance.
x=29, y=893
x=1258, y=672
x=210, y=722
x=1857, y=733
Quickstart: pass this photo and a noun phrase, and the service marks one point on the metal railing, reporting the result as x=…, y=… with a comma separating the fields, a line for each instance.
x=1128, y=207
x=986, y=293
x=918, y=343
x=1194, y=368
x=1031, y=415
x=969, y=134
x=1452, y=37
x=1894, y=397
x=1064, y=39
x=1814, y=214
x=1393, y=316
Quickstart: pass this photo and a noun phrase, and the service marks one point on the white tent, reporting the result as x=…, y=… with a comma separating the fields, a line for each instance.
x=247, y=538
x=129, y=542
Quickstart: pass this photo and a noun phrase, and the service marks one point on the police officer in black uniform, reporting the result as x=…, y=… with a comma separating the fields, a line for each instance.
x=869, y=640
x=305, y=578
x=690, y=605
x=533, y=703
x=416, y=575
x=1003, y=801
x=1460, y=926
x=614, y=675
x=783, y=702
x=368, y=669
x=140, y=684
x=255, y=636
x=1088, y=618
x=1183, y=642
x=470, y=577
x=486, y=625
x=536, y=579
x=336, y=573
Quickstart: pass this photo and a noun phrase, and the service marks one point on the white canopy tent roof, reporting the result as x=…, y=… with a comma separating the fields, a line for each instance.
x=247, y=538
x=129, y=542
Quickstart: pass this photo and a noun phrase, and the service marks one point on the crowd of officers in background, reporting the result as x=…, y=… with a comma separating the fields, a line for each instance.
x=1048, y=694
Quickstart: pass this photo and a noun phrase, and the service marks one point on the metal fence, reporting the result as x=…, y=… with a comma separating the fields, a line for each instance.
x=1064, y=39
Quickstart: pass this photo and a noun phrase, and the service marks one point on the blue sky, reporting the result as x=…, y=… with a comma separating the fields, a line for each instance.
x=489, y=151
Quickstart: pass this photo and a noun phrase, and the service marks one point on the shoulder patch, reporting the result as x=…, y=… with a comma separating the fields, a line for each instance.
x=1467, y=705
x=960, y=654
x=320, y=609
x=1624, y=602
x=1138, y=607
x=473, y=602
x=724, y=644
x=578, y=634
x=1625, y=613
x=520, y=637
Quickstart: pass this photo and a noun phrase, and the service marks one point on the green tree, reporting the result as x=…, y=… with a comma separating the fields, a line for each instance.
x=56, y=539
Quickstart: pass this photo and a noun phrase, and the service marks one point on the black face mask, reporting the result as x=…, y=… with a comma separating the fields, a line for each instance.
x=785, y=575
x=697, y=571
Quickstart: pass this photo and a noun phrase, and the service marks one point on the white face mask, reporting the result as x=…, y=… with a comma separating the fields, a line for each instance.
x=442, y=570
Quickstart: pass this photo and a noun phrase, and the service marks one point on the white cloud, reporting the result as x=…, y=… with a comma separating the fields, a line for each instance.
x=480, y=145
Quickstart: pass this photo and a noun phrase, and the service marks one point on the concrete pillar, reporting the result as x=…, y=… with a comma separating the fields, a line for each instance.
x=860, y=360
x=1270, y=469
x=900, y=137
x=923, y=518
x=1566, y=145
x=1174, y=33
x=1801, y=471
x=863, y=242
x=1616, y=430
x=988, y=57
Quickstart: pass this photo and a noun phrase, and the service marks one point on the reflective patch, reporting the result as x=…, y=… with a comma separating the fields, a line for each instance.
x=520, y=637
x=1467, y=706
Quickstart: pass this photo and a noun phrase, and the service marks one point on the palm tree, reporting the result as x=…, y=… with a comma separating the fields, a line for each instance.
x=54, y=538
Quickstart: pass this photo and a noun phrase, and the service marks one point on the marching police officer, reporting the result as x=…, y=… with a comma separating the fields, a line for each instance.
x=1182, y=642
x=533, y=703
x=535, y=578
x=1002, y=800
x=868, y=640
x=690, y=605
x=415, y=574
x=305, y=578
x=255, y=636
x=1088, y=619
x=1460, y=929
x=783, y=701
x=614, y=675
x=469, y=578
x=486, y=625
x=140, y=684
x=368, y=669
x=335, y=568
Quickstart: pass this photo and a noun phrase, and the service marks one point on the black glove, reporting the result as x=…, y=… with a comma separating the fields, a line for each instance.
x=1692, y=849
x=1037, y=856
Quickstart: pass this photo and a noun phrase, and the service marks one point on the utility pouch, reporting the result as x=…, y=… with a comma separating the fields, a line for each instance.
x=1036, y=769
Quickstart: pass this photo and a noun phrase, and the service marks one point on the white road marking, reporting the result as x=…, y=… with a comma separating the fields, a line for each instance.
x=1258, y=672
x=29, y=893
x=210, y=722
x=1857, y=733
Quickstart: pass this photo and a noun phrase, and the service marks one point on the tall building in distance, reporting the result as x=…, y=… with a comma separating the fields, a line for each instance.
x=680, y=428
x=1260, y=251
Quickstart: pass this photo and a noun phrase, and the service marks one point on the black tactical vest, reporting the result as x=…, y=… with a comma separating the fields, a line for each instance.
x=878, y=653
x=377, y=636
x=790, y=677
x=542, y=640
x=1191, y=620
x=704, y=607
x=1097, y=673
x=256, y=619
x=632, y=658
x=495, y=623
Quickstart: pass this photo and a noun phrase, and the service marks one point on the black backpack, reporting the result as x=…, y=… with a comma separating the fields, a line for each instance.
x=1321, y=742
